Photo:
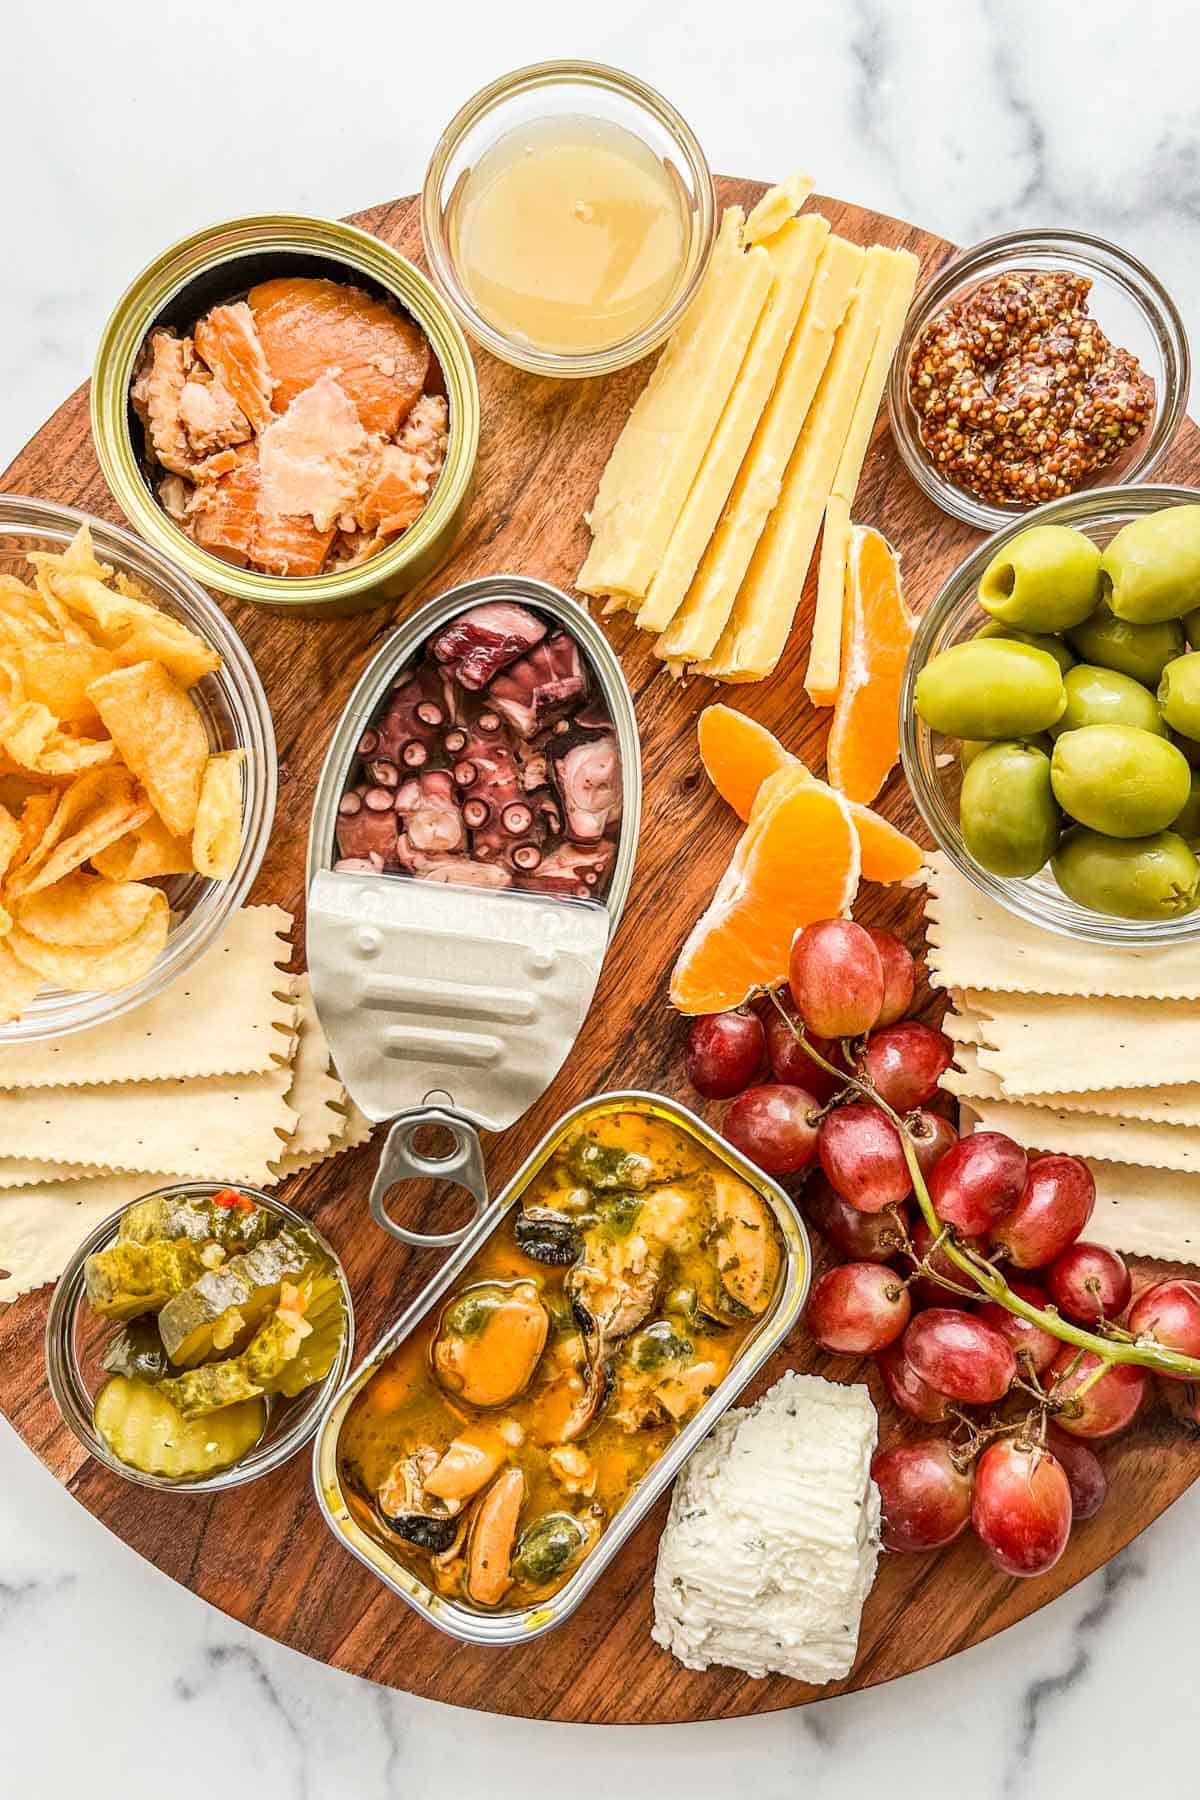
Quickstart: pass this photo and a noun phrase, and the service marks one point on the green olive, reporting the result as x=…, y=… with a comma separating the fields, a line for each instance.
x=990, y=688
x=1044, y=579
x=1151, y=569
x=1007, y=814
x=1187, y=825
x=1119, y=779
x=1041, y=640
x=1102, y=697
x=1140, y=651
x=970, y=748
x=1153, y=877
x=1179, y=694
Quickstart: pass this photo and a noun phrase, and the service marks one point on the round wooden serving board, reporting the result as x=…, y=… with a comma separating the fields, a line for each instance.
x=263, y=1554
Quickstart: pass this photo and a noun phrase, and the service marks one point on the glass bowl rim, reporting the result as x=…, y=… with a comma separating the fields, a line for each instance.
x=25, y=515
x=1017, y=896
x=967, y=266
x=441, y=264
x=67, y=1384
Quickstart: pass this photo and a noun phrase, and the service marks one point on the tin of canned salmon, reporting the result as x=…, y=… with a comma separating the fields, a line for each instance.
x=454, y=1005
x=218, y=265
x=475, y=1625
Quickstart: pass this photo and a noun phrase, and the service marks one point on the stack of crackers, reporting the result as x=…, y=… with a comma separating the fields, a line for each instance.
x=1080, y=1048
x=224, y=1076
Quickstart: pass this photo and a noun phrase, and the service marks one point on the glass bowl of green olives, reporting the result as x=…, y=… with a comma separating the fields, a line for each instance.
x=1050, y=716
x=196, y=1335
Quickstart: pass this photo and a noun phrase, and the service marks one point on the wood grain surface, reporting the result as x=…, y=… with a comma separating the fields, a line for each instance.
x=263, y=1554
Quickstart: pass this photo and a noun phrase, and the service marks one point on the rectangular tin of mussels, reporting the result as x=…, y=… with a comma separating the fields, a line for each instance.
x=478, y=1625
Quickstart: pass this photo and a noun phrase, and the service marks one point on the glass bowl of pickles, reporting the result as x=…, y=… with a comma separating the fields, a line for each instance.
x=568, y=215
x=1050, y=716
x=196, y=1335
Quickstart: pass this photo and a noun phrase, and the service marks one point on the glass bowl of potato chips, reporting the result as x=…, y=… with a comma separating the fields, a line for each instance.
x=137, y=770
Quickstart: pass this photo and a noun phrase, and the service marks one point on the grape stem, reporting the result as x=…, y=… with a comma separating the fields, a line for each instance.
x=983, y=1274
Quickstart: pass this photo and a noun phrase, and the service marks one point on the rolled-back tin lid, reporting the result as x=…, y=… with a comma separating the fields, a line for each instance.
x=465, y=999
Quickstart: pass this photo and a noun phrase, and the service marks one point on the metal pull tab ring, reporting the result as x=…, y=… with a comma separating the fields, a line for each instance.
x=400, y=1160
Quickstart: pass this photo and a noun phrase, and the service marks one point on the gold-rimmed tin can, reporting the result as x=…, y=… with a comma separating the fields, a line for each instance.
x=220, y=264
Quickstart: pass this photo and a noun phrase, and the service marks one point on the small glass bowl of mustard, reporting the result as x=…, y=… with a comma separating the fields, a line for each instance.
x=1126, y=300
x=568, y=215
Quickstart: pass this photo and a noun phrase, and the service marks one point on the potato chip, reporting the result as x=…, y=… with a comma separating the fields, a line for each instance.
x=18, y=984
x=94, y=811
x=134, y=630
x=79, y=558
x=30, y=734
x=143, y=854
x=85, y=910
x=83, y=969
x=36, y=815
x=217, y=837
x=57, y=675
x=160, y=736
x=10, y=840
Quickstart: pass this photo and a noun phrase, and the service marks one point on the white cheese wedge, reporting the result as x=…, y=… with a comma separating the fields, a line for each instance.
x=777, y=206
x=753, y=640
x=825, y=656
x=772, y=1541
x=655, y=459
x=793, y=251
x=698, y=624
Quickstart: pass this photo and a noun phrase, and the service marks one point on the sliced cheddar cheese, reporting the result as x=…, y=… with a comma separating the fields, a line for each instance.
x=655, y=460
x=824, y=661
x=777, y=206
x=793, y=251
x=698, y=624
x=753, y=640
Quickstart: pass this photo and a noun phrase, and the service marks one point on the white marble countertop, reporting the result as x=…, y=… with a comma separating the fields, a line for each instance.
x=124, y=127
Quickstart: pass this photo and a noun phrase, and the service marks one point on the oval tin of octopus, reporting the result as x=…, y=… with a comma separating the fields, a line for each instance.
x=218, y=265
x=499, y=1629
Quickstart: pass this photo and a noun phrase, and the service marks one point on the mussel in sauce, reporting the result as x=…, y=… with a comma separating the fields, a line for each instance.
x=548, y=1236
x=746, y=1243
x=408, y=1509
x=605, y=1167
x=489, y=1546
x=549, y=1547
x=490, y=1341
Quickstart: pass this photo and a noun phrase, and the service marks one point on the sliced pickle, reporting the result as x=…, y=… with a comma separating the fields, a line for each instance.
x=272, y=1357
x=142, y=1428
x=137, y=1350
x=236, y=1227
x=221, y=1310
x=129, y=1278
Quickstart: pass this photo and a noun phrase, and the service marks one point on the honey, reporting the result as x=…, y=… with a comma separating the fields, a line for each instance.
x=570, y=235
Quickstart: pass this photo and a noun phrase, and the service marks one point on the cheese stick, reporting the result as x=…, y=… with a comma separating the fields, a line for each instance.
x=655, y=459
x=824, y=662
x=699, y=622
x=793, y=251
x=762, y=616
x=776, y=207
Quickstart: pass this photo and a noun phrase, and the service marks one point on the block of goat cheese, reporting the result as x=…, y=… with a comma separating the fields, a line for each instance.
x=771, y=1545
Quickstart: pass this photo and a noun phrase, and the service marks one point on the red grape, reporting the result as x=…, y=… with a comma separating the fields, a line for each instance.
x=724, y=1053
x=1084, y=1472
x=790, y=1062
x=1054, y=1205
x=927, y=1292
x=863, y=1237
x=857, y=1308
x=978, y=1180
x=771, y=1125
x=1106, y=1408
x=1035, y=1348
x=1021, y=1507
x=925, y=1498
x=905, y=1062
x=908, y=1391
x=931, y=1137
x=861, y=1154
x=1169, y=1312
x=1089, y=1283
x=959, y=1356
x=1182, y=1397
x=836, y=978
x=899, y=974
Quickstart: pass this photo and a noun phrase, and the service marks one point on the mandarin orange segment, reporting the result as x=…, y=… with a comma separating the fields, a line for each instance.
x=797, y=861
x=739, y=754
x=877, y=629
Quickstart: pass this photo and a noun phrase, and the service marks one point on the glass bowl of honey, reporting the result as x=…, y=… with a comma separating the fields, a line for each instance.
x=568, y=214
